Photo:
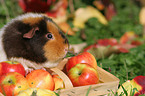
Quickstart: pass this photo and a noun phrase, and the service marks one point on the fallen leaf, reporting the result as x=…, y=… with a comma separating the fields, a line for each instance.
x=106, y=42
x=142, y=15
x=102, y=51
x=99, y=4
x=66, y=28
x=76, y=48
x=128, y=37
x=142, y=19
x=106, y=47
x=110, y=11
x=60, y=15
x=83, y=14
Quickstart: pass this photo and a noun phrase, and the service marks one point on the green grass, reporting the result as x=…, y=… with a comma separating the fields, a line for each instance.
x=8, y=10
x=125, y=65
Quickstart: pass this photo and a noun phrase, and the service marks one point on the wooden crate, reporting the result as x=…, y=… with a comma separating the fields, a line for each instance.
x=108, y=83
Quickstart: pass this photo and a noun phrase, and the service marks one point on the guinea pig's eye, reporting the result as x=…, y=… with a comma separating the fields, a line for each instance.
x=37, y=31
x=49, y=36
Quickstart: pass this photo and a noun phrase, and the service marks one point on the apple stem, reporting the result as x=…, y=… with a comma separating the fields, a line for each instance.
x=34, y=93
x=10, y=81
x=79, y=73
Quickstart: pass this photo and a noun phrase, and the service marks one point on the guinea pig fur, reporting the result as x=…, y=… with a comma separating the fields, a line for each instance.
x=34, y=40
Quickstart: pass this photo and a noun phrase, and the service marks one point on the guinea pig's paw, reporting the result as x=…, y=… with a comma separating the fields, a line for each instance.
x=29, y=70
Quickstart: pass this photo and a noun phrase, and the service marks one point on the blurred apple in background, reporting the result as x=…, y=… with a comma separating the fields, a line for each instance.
x=11, y=66
x=12, y=83
x=84, y=57
x=83, y=74
x=41, y=79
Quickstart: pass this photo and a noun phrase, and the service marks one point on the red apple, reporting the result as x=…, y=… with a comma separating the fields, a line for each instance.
x=83, y=74
x=58, y=82
x=84, y=57
x=138, y=82
x=12, y=83
x=41, y=79
x=11, y=66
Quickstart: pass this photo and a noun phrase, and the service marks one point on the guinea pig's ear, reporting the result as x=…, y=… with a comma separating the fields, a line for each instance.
x=31, y=33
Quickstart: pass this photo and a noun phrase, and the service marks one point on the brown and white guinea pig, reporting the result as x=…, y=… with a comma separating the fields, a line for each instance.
x=34, y=40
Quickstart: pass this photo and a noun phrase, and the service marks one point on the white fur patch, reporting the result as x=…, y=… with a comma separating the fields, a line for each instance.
x=23, y=16
x=29, y=64
x=3, y=56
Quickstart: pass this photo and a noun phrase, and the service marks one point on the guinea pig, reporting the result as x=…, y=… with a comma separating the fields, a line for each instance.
x=34, y=40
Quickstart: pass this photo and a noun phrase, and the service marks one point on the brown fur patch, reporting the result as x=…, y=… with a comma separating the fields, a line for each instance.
x=32, y=20
x=54, y=48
